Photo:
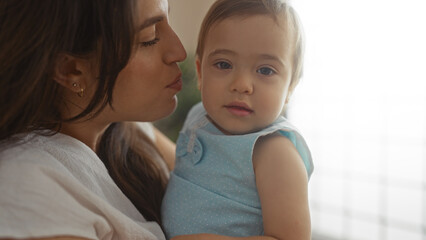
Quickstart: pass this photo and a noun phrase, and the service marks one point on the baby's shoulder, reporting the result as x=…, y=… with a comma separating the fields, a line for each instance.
x=283, y=142
x=272, y=144
x=275, y=150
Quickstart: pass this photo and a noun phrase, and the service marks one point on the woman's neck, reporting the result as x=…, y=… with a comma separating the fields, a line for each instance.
x=89, y=132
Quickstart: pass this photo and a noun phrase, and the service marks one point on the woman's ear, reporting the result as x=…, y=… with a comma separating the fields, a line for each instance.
x=199, y=76
x=71, y=72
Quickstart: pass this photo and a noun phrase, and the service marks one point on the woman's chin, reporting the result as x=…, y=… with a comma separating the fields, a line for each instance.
x=172, y=108
x=165, y=111
x=175, y=101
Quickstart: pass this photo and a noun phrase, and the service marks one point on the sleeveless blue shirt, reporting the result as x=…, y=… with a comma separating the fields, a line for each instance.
x=212, y=188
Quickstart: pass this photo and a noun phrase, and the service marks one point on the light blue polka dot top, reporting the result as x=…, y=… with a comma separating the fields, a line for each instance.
x=212, y=188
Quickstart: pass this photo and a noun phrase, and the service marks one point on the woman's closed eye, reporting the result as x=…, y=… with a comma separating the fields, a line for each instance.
x=267, y=71
x=223, y=65
x=150, y=43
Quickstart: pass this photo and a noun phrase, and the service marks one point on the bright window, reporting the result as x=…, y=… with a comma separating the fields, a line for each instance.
x=362, y=108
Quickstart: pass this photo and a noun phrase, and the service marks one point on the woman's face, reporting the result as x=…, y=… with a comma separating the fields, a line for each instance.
x=146, y=88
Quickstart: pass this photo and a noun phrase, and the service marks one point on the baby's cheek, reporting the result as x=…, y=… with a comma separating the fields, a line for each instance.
x=273, y=107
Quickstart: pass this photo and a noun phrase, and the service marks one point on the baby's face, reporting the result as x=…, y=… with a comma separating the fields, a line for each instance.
x=245, y=72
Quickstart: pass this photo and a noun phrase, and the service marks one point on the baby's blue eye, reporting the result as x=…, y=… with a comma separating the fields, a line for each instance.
x=223, y=65
x=266, y=71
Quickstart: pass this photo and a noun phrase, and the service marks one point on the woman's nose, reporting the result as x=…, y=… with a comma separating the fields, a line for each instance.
x=242, y=83
x=175, y=50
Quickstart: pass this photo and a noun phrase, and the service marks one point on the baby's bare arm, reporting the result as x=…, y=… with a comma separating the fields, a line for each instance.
x=282, y=183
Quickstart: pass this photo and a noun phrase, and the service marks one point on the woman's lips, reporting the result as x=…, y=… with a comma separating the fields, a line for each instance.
x=177, y=84
x=239, y=109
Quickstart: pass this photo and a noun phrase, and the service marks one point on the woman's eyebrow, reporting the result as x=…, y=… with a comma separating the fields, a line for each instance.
x=150, y=21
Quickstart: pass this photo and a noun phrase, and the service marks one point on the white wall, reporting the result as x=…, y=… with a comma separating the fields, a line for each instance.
x=186, y=17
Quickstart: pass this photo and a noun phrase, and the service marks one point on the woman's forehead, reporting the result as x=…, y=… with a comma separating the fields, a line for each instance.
x=148, y=12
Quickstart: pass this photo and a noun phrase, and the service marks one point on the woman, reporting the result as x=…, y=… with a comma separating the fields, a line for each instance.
x=73, y=73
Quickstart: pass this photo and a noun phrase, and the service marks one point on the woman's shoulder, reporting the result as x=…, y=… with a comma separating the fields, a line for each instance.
x=27, y=160
x=29, y=185
x=25, y=149
x=43, y=150
x=53, y=186
x=40, y=161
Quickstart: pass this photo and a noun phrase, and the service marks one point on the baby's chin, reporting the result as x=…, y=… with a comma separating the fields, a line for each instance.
x=238, y=130
x=243, y=132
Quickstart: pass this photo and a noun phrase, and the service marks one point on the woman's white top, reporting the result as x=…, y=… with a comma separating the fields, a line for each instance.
x=57, y=186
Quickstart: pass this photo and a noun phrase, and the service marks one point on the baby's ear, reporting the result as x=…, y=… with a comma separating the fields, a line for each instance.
x=198, y=68
x=70, y=72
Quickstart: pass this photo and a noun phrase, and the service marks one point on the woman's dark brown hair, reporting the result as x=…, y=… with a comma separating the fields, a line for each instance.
x=32, y=34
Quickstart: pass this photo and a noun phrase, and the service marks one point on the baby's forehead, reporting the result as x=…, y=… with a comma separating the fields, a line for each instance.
x=282, y=20
x=254, y=37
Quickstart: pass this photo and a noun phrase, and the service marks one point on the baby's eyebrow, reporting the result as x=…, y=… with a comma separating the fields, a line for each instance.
x=273, y=58
x=222, y=51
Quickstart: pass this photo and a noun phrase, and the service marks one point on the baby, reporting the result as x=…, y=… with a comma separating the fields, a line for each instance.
x=241, y=168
